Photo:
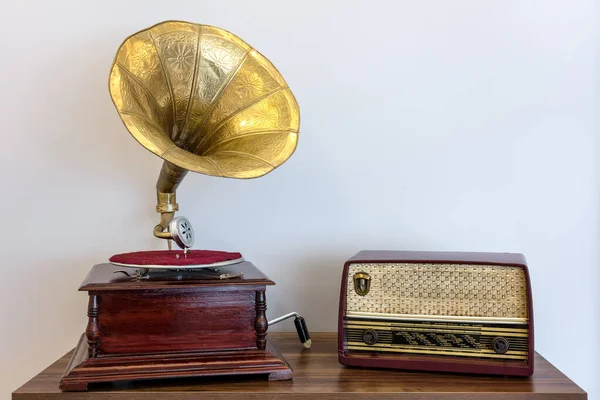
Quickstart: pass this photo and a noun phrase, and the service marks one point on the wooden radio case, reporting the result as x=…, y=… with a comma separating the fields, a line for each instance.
x=434, y=311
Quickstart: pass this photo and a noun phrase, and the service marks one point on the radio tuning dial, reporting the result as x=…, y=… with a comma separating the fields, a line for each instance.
x=500, y=345
x=370, y=336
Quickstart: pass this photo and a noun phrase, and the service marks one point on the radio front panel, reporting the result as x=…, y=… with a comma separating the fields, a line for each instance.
x=444, y=312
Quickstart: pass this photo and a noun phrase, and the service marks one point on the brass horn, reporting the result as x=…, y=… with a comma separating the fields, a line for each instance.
x=205, y=101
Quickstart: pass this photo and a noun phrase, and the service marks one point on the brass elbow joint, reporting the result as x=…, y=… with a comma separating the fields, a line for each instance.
x=166, y=206
x=170, y=227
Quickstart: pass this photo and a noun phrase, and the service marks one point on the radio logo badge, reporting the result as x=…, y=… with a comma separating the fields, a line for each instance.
x=362, y=283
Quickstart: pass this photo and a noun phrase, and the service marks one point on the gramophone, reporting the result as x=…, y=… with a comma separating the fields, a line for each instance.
x=203, y=100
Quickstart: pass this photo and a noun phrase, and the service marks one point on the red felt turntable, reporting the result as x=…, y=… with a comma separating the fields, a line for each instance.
x=176, y=259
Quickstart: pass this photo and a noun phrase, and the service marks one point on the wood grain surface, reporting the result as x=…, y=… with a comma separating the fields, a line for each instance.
x=318, y=375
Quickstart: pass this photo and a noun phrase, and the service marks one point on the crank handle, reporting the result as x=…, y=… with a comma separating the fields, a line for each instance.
x=301, y=327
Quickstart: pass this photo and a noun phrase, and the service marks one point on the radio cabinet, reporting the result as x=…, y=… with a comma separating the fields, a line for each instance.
x=453, y=312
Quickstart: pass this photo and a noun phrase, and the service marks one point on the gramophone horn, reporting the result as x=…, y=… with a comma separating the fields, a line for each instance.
x=205, y=101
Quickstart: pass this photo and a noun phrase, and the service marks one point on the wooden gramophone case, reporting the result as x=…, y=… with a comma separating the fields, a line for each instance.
x=150, y=329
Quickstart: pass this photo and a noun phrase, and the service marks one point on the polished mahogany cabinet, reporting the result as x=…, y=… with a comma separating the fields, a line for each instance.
x=173, y=325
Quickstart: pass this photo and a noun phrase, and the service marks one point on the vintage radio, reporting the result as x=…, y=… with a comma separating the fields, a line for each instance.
x=433, y=311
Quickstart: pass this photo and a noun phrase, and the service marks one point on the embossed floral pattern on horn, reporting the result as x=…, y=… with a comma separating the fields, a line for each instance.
x=203, y=99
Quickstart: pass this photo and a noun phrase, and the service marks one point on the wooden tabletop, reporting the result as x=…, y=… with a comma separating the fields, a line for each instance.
x=317, y=376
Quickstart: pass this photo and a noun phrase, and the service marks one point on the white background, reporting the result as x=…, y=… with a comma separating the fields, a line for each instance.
x=426, y=125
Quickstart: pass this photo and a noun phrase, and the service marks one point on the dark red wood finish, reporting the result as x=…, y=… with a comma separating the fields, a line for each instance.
x=261, y=324
x=435, y=363
x=92, y=332
x=135, y=322
x=147, y=329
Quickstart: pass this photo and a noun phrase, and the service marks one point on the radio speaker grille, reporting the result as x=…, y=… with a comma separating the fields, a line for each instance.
x=440, y=289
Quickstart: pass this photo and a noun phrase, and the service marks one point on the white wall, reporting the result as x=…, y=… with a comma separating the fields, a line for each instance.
x=429, y=125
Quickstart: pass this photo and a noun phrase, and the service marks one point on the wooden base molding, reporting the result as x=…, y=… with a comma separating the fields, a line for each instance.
x=83, y=370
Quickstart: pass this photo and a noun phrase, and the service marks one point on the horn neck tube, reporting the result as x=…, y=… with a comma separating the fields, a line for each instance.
x=166, y=203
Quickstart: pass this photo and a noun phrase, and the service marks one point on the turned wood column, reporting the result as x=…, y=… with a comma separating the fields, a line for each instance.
x=260, y=323
x=92, y=332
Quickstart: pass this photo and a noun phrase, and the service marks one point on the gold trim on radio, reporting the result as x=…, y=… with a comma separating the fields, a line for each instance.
x=376, y=324
x=469, y=331
x=435, y=318
x=438, y=326
x=428, y=348
x=398, y=349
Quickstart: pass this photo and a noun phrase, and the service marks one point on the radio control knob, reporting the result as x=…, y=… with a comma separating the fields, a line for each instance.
x=499, y=345
x=370, y=336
